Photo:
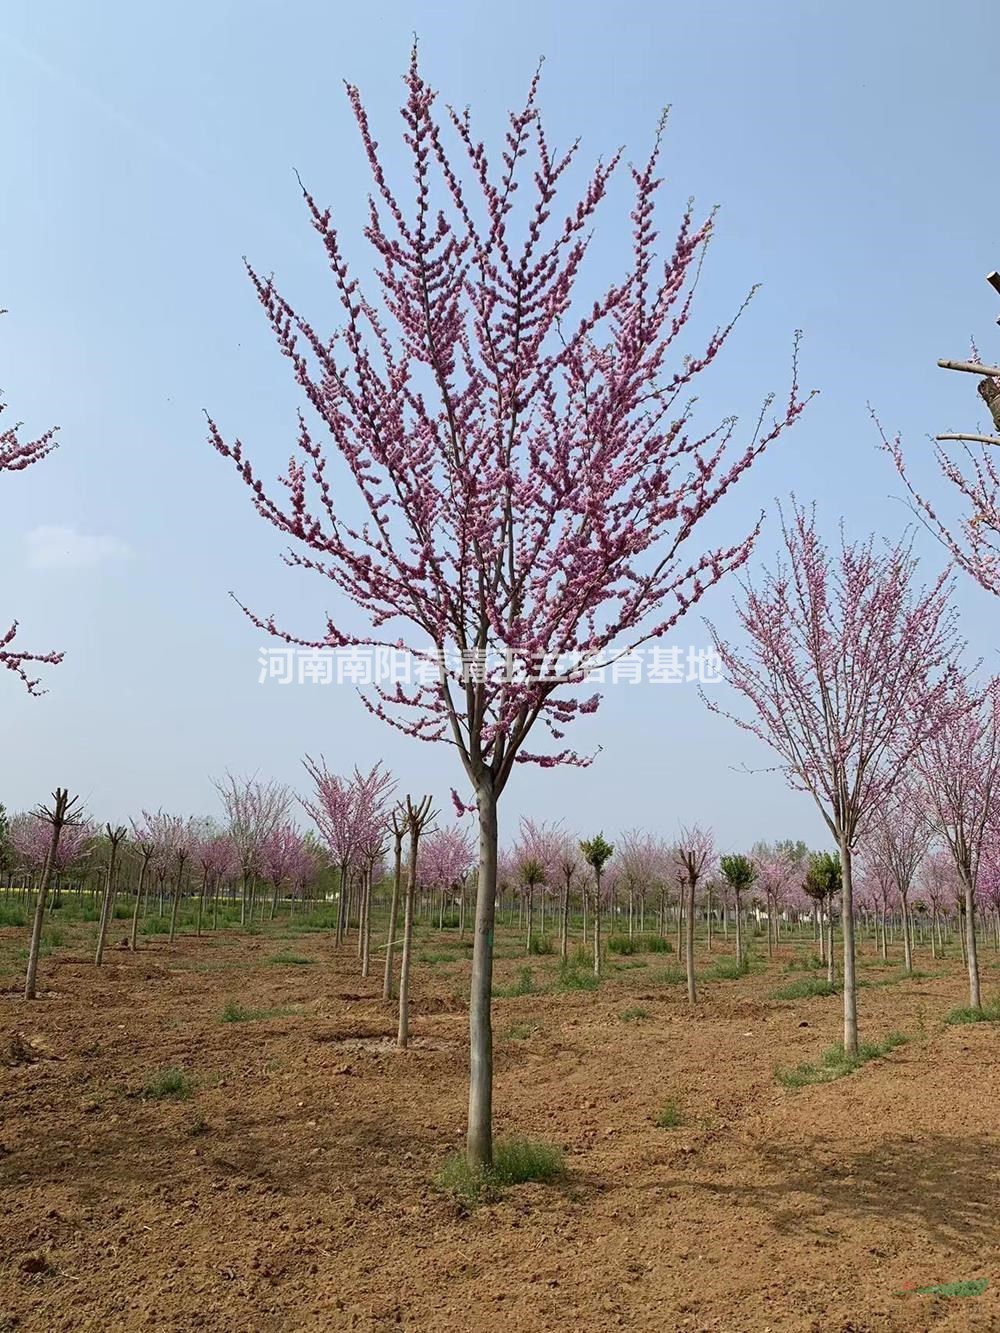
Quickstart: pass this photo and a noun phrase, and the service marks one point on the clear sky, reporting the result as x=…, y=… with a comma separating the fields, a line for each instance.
x=145, y=149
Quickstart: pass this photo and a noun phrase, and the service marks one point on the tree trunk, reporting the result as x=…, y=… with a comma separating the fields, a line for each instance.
x=907, y=934
x=366, y=923
x=689, y=943
x=597, y=925
x=739, y=931
x=972, y=957
x=390, y=947
x=36, y=925
x=133, y=936
x=106, y=906
x=850, y=982
x=177, y=900
x=403, y=1032
x=479, y=1137
x=564, y=922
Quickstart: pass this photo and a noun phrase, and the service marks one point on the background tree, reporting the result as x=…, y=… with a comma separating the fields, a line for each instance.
x=695, y=848
x=597, y=853
x=823, y=881
x=847, y=669
x=531, y=475
x=740, y=873
x=254, y=809
x=115, y=837
x=64, y=812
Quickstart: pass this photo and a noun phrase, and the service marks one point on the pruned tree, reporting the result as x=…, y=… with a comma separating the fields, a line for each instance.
x=64, y=812
x=254, y=809
x=847, y=667
x=419, y=818
x=532, y=477
x=740, y=873
x=695, y=848
x=115, y=837
x=597, y=853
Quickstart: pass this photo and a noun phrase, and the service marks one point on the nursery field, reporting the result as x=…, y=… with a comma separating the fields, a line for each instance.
x=219, y=1134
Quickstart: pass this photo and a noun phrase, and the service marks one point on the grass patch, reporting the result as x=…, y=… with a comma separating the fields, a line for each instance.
x=524, y=985
x=669, y=976
x=989, y=1013
x=975, y=1287
x=635, y=1015
x=290, y=960
x=805, y=988
x=521, y=1031
x=515, y=1161
x=656, y=944
x=432, y=958
x=572, y=977
x=13, y=914
x=234, y=1012
x=834, y=1064
x=168, y=1083
x=731, y=969
x=623, y=944
x=808, y=963
x=542, y=945
x=669, y=1116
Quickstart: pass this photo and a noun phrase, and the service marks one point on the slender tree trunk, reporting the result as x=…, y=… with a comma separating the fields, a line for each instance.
x=689, y=943
x=739, y=931
x=479, y=1138
x=177, y=898
x=564, y=922
x=531, y=916
x=972, y=957
x=850, y=980
x=597, y=926
x=43, y=893
x=390, y=947
x=133, y=935
x=108, y=903
x=366, y=924
x=907, y=934
x=709, y=916
x=403, y=1032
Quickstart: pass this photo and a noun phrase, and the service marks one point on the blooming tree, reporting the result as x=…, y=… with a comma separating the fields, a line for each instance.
x=531, y=479
x=896, y=844
x=848, y=670
x=694, y=852
x=960, y=767
x=254, y=809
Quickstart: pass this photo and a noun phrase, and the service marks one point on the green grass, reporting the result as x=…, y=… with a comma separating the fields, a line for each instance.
x=656, y=944
x=622, y=944
x=290, y=960
x=635, y=1015
x=524, y=985
x=989, y=1013
x=808, y=963
x=672, y=975
x=515, y=1161
x=803, y=989
x=670, y=1116
x=974, y=1287
x=426, y=956
x=731, y=969
x=234, y=1012
x=169, y=1083
x=13, y=914
x=572, y=977
x=834, y=1064
x=521, y=1031
x=542, y=945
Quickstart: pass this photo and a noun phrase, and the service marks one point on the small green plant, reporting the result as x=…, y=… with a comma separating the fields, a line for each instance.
x=431, y=958
x=623, y=944
x=672, y=975
x=541, y=945
x=834, y=1063
x=731, y=969
x=669, y=1116
x=573, y=977
x=803, y=989
x=656, y=944
x=521, y=1031
x=524, y=985
x=290, y=960
x=804, y=963
x=515, y=1162
x=974, y=1287
x=989, y=1013
x=13, y=914
x=635, y=1015
x=168, y=1083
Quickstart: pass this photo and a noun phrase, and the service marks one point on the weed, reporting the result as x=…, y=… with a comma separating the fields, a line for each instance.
x=169, y=1083
x=290, y=960
x=669, y=1117
x=804, y=989
x=515, y=1161
x=635, y=1015
x=524, y=985
x=833, y=1063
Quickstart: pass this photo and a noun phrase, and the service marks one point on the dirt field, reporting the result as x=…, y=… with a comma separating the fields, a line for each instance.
x=294, y=1187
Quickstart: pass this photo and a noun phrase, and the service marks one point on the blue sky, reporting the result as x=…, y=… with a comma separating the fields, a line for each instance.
x=146, y=149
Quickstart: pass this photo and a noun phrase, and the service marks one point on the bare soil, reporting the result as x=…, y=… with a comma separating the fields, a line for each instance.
x=294, y=1188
